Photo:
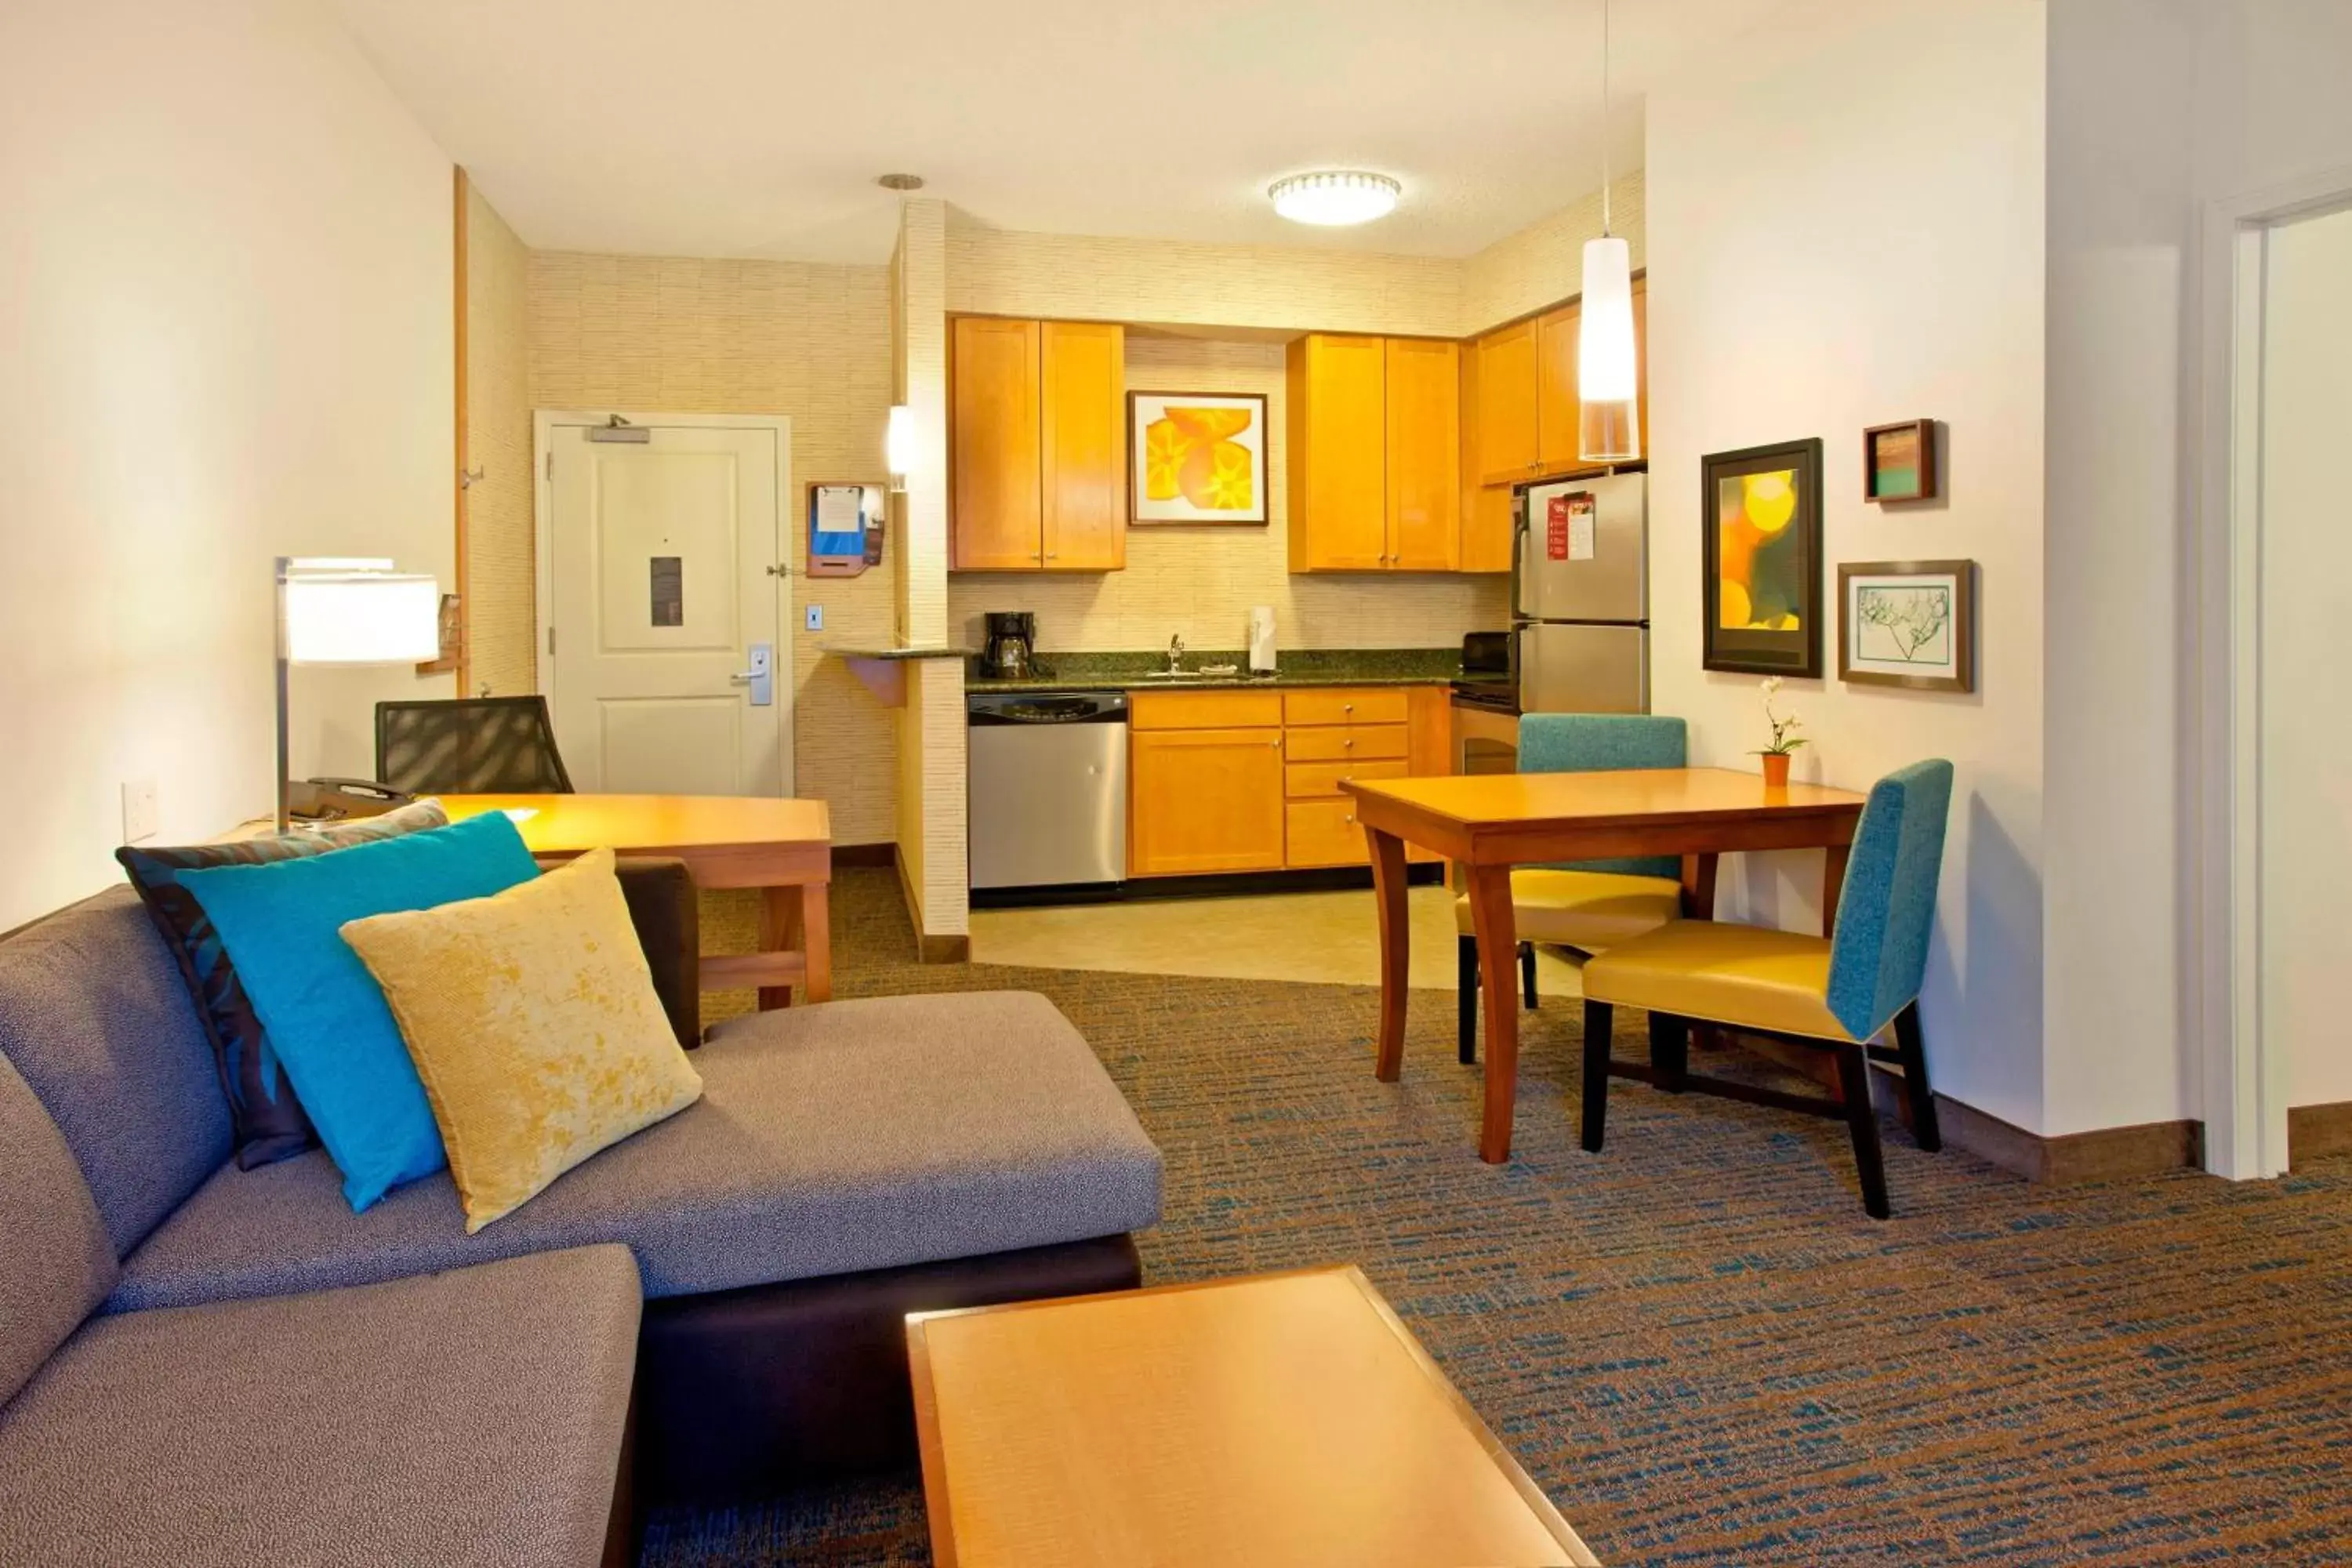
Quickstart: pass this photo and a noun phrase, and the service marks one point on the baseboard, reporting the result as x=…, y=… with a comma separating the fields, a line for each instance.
x=2313, y=1132
x=866, y=855
x=928, y=949
x=2107, y=1154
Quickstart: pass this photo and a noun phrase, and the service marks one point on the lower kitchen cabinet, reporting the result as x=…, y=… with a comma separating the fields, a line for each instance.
x=1204, y=801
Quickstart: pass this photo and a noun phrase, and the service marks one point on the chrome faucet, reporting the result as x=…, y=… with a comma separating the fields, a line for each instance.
x=1176, y=655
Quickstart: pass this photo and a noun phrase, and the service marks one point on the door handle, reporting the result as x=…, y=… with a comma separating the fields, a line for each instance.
x=762, y=677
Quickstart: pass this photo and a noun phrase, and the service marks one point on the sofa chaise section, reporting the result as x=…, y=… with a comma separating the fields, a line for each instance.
x=473, y=1419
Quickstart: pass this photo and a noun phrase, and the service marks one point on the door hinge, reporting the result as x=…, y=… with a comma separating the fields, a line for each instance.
x=550, y=642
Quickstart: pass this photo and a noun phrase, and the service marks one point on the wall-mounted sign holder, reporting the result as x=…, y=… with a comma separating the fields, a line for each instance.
x=845, y=529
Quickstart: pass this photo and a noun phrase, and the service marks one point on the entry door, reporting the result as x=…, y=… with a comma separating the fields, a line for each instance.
x=659, y=594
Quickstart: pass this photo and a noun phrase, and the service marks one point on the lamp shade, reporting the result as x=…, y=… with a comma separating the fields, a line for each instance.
x=899, y=442
x=360, y=612
x=1608, y=376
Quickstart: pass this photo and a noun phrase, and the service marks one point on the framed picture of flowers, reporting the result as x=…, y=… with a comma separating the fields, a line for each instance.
x=1907, y=622
x=1197, y=457
x=1761, y=508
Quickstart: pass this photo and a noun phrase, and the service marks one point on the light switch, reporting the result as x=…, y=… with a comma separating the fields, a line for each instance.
x=816, y=617
x=140, y=812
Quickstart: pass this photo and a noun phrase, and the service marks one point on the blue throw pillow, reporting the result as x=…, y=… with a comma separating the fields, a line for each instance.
x=333, y=1029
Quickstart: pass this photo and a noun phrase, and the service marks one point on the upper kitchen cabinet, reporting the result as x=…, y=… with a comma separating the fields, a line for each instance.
x=1374, y=438
x=1524, y=406
x=1037, y=445
x=1506, y=414
x=1556, y=406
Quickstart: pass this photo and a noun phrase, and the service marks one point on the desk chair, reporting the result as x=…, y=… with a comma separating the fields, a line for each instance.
x=469, y=746
x=1833, y=993
x=1593, y=904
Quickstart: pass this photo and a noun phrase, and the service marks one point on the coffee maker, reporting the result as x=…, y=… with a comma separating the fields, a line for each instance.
x=1010, y=651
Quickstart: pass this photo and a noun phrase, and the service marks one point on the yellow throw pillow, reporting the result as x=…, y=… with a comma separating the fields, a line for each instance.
x=532, y=1020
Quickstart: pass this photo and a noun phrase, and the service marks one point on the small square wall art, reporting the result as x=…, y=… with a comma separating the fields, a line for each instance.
x=1898, y=461
x=1907, y=622
x=1198, y=457
x=1762, y=554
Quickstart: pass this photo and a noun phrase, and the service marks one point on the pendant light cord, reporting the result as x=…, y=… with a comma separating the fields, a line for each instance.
x=1604, y=119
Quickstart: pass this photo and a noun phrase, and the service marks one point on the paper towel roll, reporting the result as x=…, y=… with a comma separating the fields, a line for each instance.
x=1261, y=640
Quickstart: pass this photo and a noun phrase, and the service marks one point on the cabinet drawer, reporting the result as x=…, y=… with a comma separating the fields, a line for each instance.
x=1324, y=833
x=1345, y=705
x=1379, y=743
x=1204, y=710
x=1314, y=781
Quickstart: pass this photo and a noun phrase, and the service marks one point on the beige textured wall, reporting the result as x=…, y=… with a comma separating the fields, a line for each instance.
x=1544, y=262
x=1003, y=273
x=754, y=337
x=500, y=616
x=1200, y=583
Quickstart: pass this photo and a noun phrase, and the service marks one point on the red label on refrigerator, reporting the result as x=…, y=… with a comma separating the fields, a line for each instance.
x=1556, y=528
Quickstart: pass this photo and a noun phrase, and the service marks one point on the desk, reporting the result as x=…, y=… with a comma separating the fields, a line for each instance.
x=1287, y=1418
x=783, y=847
x=1489, y=823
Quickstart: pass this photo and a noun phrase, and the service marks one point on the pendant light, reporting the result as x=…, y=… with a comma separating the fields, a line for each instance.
x=1608, y=376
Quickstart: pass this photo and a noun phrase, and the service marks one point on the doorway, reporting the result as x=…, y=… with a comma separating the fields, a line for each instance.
x=2304, y=598
x=664, y=599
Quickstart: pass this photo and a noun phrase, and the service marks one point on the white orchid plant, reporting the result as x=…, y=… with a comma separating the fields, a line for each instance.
x=1785, y=738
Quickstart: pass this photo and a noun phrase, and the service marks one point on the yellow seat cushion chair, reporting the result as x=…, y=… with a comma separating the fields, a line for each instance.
x=1836, y=993
x=1593, y=904
x=533, y=1022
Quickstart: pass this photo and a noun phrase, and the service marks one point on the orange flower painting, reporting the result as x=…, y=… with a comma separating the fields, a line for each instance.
x=1200, y=458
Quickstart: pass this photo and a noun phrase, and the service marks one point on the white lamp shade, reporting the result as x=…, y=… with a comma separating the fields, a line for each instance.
x=899, y=441
x=361, y=617
x=1608, y=376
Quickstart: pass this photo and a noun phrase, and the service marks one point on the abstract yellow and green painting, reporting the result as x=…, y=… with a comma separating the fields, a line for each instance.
x=1761, y=560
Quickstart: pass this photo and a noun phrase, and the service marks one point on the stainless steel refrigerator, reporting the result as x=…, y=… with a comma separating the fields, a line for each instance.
x=1581, y=597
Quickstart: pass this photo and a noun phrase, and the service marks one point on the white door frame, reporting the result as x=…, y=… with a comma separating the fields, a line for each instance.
x=2245, y=1078
x=544, y=422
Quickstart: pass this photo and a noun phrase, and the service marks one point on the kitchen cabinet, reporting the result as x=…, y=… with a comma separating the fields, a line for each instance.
x=1203, y=801
x=1556, y=410
x=1037, y=445
x=1228, y=781
x=1505, y=414
x=1374, y=427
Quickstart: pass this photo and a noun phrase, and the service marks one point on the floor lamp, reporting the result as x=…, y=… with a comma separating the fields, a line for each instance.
x=335, y=610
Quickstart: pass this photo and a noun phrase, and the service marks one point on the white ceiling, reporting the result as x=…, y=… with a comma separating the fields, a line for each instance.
x=755, y=128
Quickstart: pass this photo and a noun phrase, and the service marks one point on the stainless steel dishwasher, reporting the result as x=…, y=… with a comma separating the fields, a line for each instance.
x=1048, y=788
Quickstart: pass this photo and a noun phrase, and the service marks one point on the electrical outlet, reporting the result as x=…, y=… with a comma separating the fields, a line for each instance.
x=140, y=812
x=816, y=617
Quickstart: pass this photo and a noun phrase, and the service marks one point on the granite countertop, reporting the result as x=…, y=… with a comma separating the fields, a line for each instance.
x=1301, y=667
x=896, y=653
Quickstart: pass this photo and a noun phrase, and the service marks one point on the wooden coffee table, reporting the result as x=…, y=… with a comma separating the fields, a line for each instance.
x=1283, y=1418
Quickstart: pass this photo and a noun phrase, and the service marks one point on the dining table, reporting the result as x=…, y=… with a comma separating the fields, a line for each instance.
x=1487, y=823
x=782, y=847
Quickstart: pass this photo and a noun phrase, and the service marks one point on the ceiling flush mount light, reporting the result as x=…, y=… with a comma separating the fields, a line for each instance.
x=1608, y=374
x=1334, y=197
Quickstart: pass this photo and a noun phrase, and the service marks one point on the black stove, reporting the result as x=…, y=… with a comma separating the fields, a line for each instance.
x=1488, y=681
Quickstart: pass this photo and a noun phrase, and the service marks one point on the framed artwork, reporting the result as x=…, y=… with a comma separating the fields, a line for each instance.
x=1762, y=559
x=1898, y=461
x=1196, y=458
x=1907, y=622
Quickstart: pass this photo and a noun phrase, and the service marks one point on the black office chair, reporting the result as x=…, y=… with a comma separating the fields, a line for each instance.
x=469, y=746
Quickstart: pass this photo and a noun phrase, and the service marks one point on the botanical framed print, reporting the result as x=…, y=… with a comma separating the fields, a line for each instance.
x=1197, y=457
x=1761, y=508
x=1898, y=461
x=1907, y=622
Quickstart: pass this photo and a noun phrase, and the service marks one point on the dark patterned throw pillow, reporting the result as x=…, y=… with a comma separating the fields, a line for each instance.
x=270, y=1125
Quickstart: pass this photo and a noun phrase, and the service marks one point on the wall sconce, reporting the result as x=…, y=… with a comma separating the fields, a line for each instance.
x=898, y=444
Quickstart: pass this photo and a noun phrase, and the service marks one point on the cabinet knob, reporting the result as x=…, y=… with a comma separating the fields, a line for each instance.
x=1276, y=743
x=1347, y=708
x=1351, y=819
x=1350, y=743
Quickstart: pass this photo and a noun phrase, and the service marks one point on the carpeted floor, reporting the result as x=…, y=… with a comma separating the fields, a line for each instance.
x=1696, y=1341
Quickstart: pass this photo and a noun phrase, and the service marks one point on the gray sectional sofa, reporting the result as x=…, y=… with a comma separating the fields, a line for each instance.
x=206, y=1365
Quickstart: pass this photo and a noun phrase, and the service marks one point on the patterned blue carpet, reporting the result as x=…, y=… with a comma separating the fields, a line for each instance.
x=1696, y=1341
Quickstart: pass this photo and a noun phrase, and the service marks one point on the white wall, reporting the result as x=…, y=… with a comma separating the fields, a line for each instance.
x=1845, y=229
x=2306, y=603
x=2155, y=106
x=225, y=333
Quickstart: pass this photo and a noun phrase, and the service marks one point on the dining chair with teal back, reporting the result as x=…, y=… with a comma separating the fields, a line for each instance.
x=1837, y=994
x=1591, y=904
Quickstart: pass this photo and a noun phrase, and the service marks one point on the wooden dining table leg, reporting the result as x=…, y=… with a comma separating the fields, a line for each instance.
x=1833, y=859
x=817, y=938
x=1491, y=922
x=782, y=930
x=1698, y=886
x=1396, y=949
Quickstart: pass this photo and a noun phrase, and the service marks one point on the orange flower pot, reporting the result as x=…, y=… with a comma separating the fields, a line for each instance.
x=1776, y=770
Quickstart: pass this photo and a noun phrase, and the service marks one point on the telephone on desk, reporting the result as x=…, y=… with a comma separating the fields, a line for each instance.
x=331, y=800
